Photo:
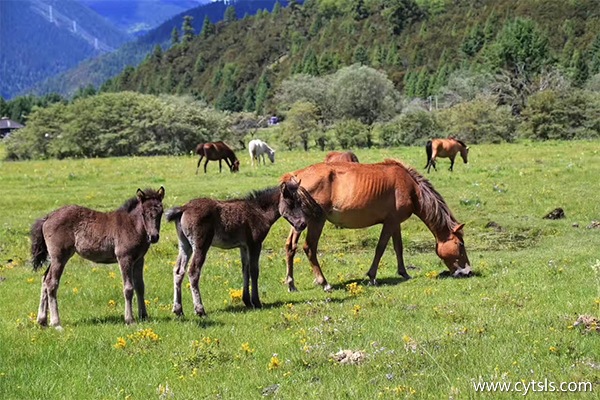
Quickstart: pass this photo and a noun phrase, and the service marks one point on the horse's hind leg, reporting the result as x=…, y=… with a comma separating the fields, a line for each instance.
x=195, y=271
x=198, y=166
x=138, y=286
x=397, y=240
x=384, y=238
x=185, y=250
x=48, y=298
x=291, y=245
x=205, y=162
x=313, y=233
x=42, y=316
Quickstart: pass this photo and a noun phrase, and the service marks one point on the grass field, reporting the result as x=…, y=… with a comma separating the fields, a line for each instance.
x=428, y=337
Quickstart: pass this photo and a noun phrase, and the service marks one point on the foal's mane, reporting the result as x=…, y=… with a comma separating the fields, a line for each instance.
x=262, y=197
x=433, y=208
x=131, y=204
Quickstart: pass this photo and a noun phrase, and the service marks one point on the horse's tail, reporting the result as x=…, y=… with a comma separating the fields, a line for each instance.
x=39, y=249
x=174, y=214
x=429, y=151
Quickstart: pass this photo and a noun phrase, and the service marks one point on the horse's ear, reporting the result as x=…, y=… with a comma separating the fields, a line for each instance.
x=161, y=192
x=458, y=228
x=140, y=194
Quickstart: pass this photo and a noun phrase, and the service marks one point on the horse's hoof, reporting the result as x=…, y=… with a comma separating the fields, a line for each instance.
x=327, y=288
x=405, y=275
x=373, y=282
x=178, y=310
x=200, y=311
x=292, y=288
x=257, y=304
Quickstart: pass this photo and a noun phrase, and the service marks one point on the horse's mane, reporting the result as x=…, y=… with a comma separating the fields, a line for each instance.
x=262, y=197
x=434, y=210
x=131, y=204
x=458, y=140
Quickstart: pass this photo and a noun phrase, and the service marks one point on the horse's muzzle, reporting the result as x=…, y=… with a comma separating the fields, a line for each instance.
x=463, y=272
x=154, y=238
x=300, y=226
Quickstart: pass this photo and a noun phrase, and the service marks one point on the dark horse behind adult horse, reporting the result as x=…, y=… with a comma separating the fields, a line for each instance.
x=122, y=236
x=356, y=196
x=338, y=156
x=241, y=223
x=445, y=148
x=217, y=151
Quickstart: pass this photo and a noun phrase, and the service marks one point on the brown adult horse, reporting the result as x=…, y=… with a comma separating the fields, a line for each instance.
x=122, y=236
x=217, y=151
x=445, y=148
x=241, y=223
x=356, y=196
x=338, y=156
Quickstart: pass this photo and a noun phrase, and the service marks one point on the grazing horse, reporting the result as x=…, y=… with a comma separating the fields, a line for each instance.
x=336, y=156
x=356, y=196
x=122, y=236
x=217, y=151
x=445, y=148
x=241, y=223
x=258, y=148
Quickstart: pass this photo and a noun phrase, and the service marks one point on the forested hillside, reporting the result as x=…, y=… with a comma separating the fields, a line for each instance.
x=417, y=43
x=96, y=71
x=41, y=38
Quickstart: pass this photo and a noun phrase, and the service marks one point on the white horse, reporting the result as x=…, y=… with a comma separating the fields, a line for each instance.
x=259, y=148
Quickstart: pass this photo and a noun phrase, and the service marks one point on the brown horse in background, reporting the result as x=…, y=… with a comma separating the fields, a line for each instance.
x=241, y=223
x=217, y=151
x=445, y=148
x=338, y=156
x=122, y=236
x=357, y=196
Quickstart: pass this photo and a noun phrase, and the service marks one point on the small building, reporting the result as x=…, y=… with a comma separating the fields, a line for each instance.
x=7, y=126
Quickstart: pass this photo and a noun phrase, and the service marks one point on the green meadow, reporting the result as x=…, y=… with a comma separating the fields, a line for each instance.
x=429, y=337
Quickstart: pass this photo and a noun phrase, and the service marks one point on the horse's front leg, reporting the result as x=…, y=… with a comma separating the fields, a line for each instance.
x=254, y=252
x=397, y=240
x=384, y=238
x=139, y=287
x=291, y=245
x=245, y=257
x=452, y=163
x=205, y=162
x=185, y=250
x=198, y=166
x=127, y=266
x=313, y=234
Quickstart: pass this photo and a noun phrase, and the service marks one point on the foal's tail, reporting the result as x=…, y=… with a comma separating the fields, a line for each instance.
x=174, y=214
x=429, y=151
x=39, y=250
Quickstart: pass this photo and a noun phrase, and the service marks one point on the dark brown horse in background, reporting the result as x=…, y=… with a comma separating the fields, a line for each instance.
x=338, y=156
x=356, y=196
x=122, y=236
x=217, y=151
x=445, y=148
x=241, y=223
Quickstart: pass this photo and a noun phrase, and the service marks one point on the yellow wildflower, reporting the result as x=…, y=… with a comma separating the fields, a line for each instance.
x=121, y=343
x=274, y=363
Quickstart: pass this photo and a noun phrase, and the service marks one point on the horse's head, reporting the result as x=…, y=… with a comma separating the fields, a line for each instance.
x=452, y=251
x=464, y=151
x=296, y=205
x=271, y=154
x=152, y=210
x=235, y=166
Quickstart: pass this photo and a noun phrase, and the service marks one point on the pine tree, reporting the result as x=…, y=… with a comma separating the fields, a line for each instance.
x=187, y=29
x=579, y=69
x=208, y=28
x=360, y=55
x=230, y=14
x=262, y=93
x=174, y=36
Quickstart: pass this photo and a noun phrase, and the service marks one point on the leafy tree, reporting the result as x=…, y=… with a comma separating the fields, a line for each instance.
x=408, y=129
x=301, y=120
x=362, y=93
x=352, y=133
x=401, y=13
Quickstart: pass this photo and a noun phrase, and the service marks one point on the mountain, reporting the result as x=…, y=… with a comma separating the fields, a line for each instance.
x=137, y=17
x=96, y=71
x=41, y=38
x=417, y=43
